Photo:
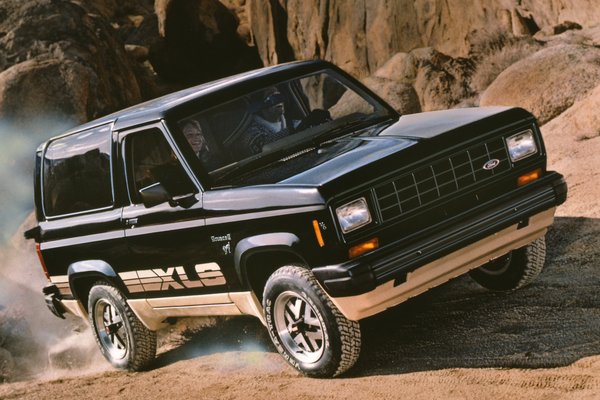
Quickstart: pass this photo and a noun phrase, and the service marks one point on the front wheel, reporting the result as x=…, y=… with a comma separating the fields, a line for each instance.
x=514, y=270
x=306, y=327
x=124, y=341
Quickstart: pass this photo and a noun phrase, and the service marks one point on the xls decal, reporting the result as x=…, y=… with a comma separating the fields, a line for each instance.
x=158, y=279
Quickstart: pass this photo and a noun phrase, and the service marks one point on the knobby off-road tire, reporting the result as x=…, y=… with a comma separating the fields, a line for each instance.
x=124, y=341
x=306, y=327
x=514, y=270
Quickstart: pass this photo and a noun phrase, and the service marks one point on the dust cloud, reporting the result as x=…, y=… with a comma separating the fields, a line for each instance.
x=33, y=342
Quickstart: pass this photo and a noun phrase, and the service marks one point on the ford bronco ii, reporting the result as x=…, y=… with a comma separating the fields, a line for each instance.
x=291, y=193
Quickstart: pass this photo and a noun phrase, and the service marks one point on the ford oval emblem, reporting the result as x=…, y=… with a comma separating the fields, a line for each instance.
x=491, y=164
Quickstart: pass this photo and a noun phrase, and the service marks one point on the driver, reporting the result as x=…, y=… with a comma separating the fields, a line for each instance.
x=268, y=123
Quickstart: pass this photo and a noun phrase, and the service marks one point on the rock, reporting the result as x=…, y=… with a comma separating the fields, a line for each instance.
x=52, y=88
x=565, y=26
x=399, y=95
x=441, y=81
x=436, y=80
x=401, y=67
x=575, y=135
x=140, y=53
x=585, y=36
x=496, y=53
x=62, y=61
x=577, y=119
x=360, y=35
x=238, y=7
x=200, y=42
x=539, y=83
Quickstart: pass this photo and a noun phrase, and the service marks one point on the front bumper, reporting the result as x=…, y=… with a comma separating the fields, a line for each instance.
x=505, y=224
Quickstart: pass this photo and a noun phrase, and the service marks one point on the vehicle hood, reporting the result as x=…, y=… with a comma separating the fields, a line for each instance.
x=357, y=157
x=346, y=155
x=392, y=146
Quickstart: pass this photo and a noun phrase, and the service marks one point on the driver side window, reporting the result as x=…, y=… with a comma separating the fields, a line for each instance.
x=150, y=160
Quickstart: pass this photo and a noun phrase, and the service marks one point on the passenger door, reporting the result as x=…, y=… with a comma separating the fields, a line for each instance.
x=168, y=243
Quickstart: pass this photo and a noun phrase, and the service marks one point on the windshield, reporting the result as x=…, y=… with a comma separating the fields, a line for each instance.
x=269, y=124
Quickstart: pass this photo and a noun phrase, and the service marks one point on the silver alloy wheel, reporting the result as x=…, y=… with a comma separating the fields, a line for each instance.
x=111, y=330
x=299, y=328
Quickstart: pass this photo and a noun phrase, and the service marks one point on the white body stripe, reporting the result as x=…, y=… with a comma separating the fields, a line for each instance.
x=174, y=226
x=82, y=240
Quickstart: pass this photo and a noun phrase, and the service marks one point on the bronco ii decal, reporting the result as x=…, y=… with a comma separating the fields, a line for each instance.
x=182, y=277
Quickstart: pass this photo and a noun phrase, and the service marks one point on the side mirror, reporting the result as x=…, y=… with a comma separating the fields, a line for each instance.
x=185, y=201
x=154, y=194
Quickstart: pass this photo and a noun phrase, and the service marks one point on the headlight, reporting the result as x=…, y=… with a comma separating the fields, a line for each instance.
x=521, y=145
x=353, y=215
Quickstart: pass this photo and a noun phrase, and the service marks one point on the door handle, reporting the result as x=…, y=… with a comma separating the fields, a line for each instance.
x=131, y=222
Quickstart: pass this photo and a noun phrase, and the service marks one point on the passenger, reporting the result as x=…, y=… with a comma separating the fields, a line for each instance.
x=195, y=137
x=193, y=133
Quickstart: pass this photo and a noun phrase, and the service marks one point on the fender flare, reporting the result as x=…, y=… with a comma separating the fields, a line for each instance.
x=92, y=268
x=268, y=242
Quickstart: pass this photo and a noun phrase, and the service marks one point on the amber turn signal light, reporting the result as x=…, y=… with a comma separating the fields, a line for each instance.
x=318, y=233
x=529, y=177
x=363, y=247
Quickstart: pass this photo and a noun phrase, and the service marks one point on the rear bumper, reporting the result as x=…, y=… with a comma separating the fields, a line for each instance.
x=387, y=277
x=59, y=306
x=53, y=300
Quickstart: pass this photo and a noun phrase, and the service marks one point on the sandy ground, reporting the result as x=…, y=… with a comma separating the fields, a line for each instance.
x=457, y=341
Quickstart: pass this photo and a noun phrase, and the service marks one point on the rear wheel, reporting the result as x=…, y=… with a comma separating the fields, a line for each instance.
x=306, y=327
x=123, y=340
x=514, y=270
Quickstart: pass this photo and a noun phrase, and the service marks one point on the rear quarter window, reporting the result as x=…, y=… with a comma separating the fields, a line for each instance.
x=76, y=173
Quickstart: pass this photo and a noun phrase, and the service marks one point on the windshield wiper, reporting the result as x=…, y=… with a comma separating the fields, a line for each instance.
x=296, y=143
x=349, y=126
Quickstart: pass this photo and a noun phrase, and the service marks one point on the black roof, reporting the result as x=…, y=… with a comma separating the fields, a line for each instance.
x=156, y=109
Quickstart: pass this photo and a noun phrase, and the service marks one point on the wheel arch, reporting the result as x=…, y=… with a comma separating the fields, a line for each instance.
x=257, y=257
x=83, y=275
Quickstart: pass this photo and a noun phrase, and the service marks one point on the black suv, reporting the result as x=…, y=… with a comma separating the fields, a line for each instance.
x=292, y=193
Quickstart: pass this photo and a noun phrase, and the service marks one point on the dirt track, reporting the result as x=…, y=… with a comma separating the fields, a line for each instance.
x=456, y=341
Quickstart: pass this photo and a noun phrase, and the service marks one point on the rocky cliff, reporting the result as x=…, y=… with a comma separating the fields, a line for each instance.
x=360, y=35
x=77, y=60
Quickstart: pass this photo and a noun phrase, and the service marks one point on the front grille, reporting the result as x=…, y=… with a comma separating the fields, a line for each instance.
x=440, y=178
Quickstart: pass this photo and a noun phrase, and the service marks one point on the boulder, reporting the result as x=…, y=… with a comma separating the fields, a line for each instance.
x=401, y=67
x=199, y=42
x=584, y=36
x=49, y=87
x=61, y=61
x=575, y=135
x=399, y=95
x=547, y=82
x=441, y=81
x=436, y=80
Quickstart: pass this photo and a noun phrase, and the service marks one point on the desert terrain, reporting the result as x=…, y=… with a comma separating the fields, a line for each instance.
x=457, y=341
